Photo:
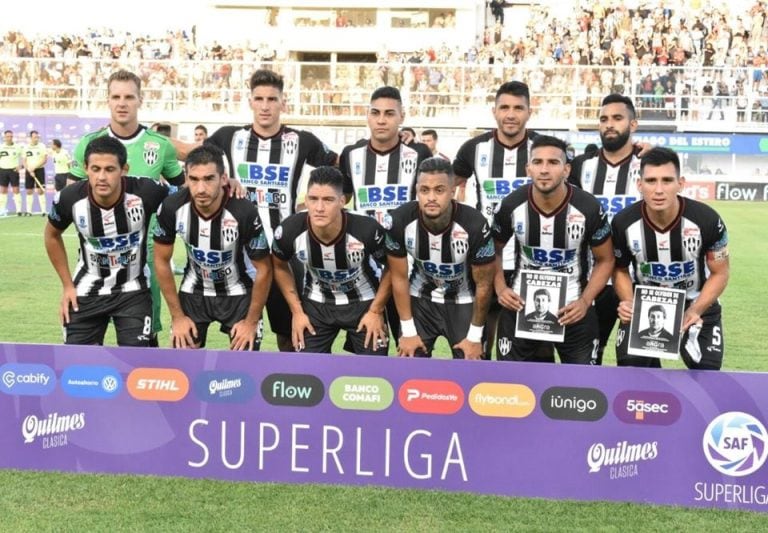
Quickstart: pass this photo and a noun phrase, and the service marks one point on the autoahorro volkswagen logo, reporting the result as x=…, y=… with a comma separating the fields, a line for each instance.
x=735, y=444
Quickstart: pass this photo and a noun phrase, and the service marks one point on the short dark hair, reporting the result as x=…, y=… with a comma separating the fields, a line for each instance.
x=544, y=291
x=205, y=154
x=201, y=127
x=327, y=176
x=515, y=88
x=436, y=165
x=8, y=131
x=56, y=143
x=657, y=307
x=107, y=145
x=548, y=140
x=268, y=78
x=33, y=132
x=433, y=133
x=163, y=128
x=659, y=156
x=124, y=75
x=410, y=129
x=616, y=98
x=387, y=92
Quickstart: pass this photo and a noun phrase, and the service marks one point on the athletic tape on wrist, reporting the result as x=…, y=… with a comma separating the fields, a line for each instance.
x=475, y=333
x=408, y=328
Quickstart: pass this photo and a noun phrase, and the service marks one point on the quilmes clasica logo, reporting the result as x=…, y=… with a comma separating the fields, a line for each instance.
x=85, y=381
x=224, y=387
x=735, y=444
x=27, y=379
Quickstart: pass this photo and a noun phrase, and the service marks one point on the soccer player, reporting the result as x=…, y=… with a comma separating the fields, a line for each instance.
x=35, y=156
x=201, y=133
x=429, y=137
x=111, y=213
x=218, y=231
x=268, y=158
x=611, y=175
x=150, y=155
x=61, y=163
x=9, y=172
x=451, y=282
x=341, y=290
x=672, y=241
x=380, y=172
x=555, y=225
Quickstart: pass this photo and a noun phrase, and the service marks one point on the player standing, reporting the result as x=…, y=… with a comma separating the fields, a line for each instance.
x=218, y=232
x=35, y=156
x=9, y=173
x=111, y=213
x=672, y=241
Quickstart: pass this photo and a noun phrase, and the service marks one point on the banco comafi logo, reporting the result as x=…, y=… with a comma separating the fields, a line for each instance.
x=735, y=444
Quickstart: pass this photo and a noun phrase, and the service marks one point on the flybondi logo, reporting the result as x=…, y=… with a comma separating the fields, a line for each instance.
x=574, y=403
x=507, y=400
x=224, y=387
x=301, y=390
x=27, y=379
x=735, y=444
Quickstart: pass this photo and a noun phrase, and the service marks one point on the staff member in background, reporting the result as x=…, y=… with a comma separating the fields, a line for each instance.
x=61, y=163
x=9, y=172
x=35, y=156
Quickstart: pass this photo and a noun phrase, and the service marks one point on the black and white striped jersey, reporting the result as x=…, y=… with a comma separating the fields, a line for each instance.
x=558, y=241
x=615, y=186
x=381, y=181
x=442, y=263
x=338, y=272
x=270, y=169
x=215, y=245
x=112, y=257
x=674, y=256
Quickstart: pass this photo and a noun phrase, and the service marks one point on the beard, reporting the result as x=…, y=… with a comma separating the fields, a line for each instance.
x=614, y=143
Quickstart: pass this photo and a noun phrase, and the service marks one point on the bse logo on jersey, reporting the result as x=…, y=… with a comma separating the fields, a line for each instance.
x=445, y=271
x=613, y=204
x=256, y=175
x=336, y=276
x=549, y=257
x=667, y=272
x=497, y=189
x=151, y=152
x=210, y=258
x=117, y=243
x=386, y=197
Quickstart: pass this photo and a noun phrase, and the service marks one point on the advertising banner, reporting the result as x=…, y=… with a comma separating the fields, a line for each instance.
x=675, y=437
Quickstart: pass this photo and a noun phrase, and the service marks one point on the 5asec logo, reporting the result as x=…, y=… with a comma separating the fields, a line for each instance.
x=27, y=379
x=735, y=444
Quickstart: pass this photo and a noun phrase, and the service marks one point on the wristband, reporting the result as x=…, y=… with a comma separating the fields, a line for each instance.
x=408, y=328
x=475, y=333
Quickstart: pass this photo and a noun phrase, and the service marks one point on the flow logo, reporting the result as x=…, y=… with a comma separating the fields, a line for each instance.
x=82, y=381
x=300, y=390
x=27, y=379
x=735, y=444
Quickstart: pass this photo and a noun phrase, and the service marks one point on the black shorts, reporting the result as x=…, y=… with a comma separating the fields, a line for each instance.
x=60, y=181
x=434, y=320
x=130, y=311
x=710, y=341
x=607, y=309
x=29, y=181
x=9, y=176
x=579, y=347
x=280, y=316
x=329, y=320
x=227, y=310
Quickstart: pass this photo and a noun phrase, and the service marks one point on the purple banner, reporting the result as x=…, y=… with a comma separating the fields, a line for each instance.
x=550, y=431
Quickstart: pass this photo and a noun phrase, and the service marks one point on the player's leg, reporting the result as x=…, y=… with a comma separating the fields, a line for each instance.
x=133, y=318
x=429, y=325
x=702, y=348
x=606, y=307
x=622, y=356
x=5, y=181
x=40, y=191
x=59, y=181
x=580, y=345
x=88, y=324
x=29, y=193
x=154, y=286
x=280, y=318
x=511, y=348
x=348, y=317
x=229, y=310
x=456, y=319
x=326, y=328
x=15, y=180
x=202, y=311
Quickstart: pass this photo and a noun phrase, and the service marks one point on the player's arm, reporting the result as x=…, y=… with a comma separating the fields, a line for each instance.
x=719, y=271
x=410, y=342
x=182, y=148
x=601, y=273
x=77, y=166
x=373, y=320
x=622, y=284
x=483, y=276
x=57, y=255
x=244, y=332
x=183, y=329
x=287, y=284
x=506, y=296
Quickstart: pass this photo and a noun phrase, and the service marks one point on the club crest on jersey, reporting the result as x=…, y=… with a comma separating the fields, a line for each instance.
x=135, y=214
x=505, y=345
x=408, y=165
x=151, y=152
x=460, y=246
x=691, y=240
x=355, y=256
x=229, y=234
x=575, y=231
x=290, y=143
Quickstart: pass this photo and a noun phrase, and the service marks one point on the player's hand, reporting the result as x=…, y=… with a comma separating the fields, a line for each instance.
x=472, y=350
x=509, y=299
x=300, y=323
x=375, y=331
x=643, y=147
x=243, y=335
x=625, y=311
x=573, y=312
x=690, y=318
x=236, y=189
x=68, y=300
x=408, y=346
x=407, y=137
x=183, y=332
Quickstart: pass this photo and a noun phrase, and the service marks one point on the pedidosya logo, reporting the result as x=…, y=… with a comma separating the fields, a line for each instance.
x=300, y=390
x=735, y=444
x=85, y=381
x=27, y=379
